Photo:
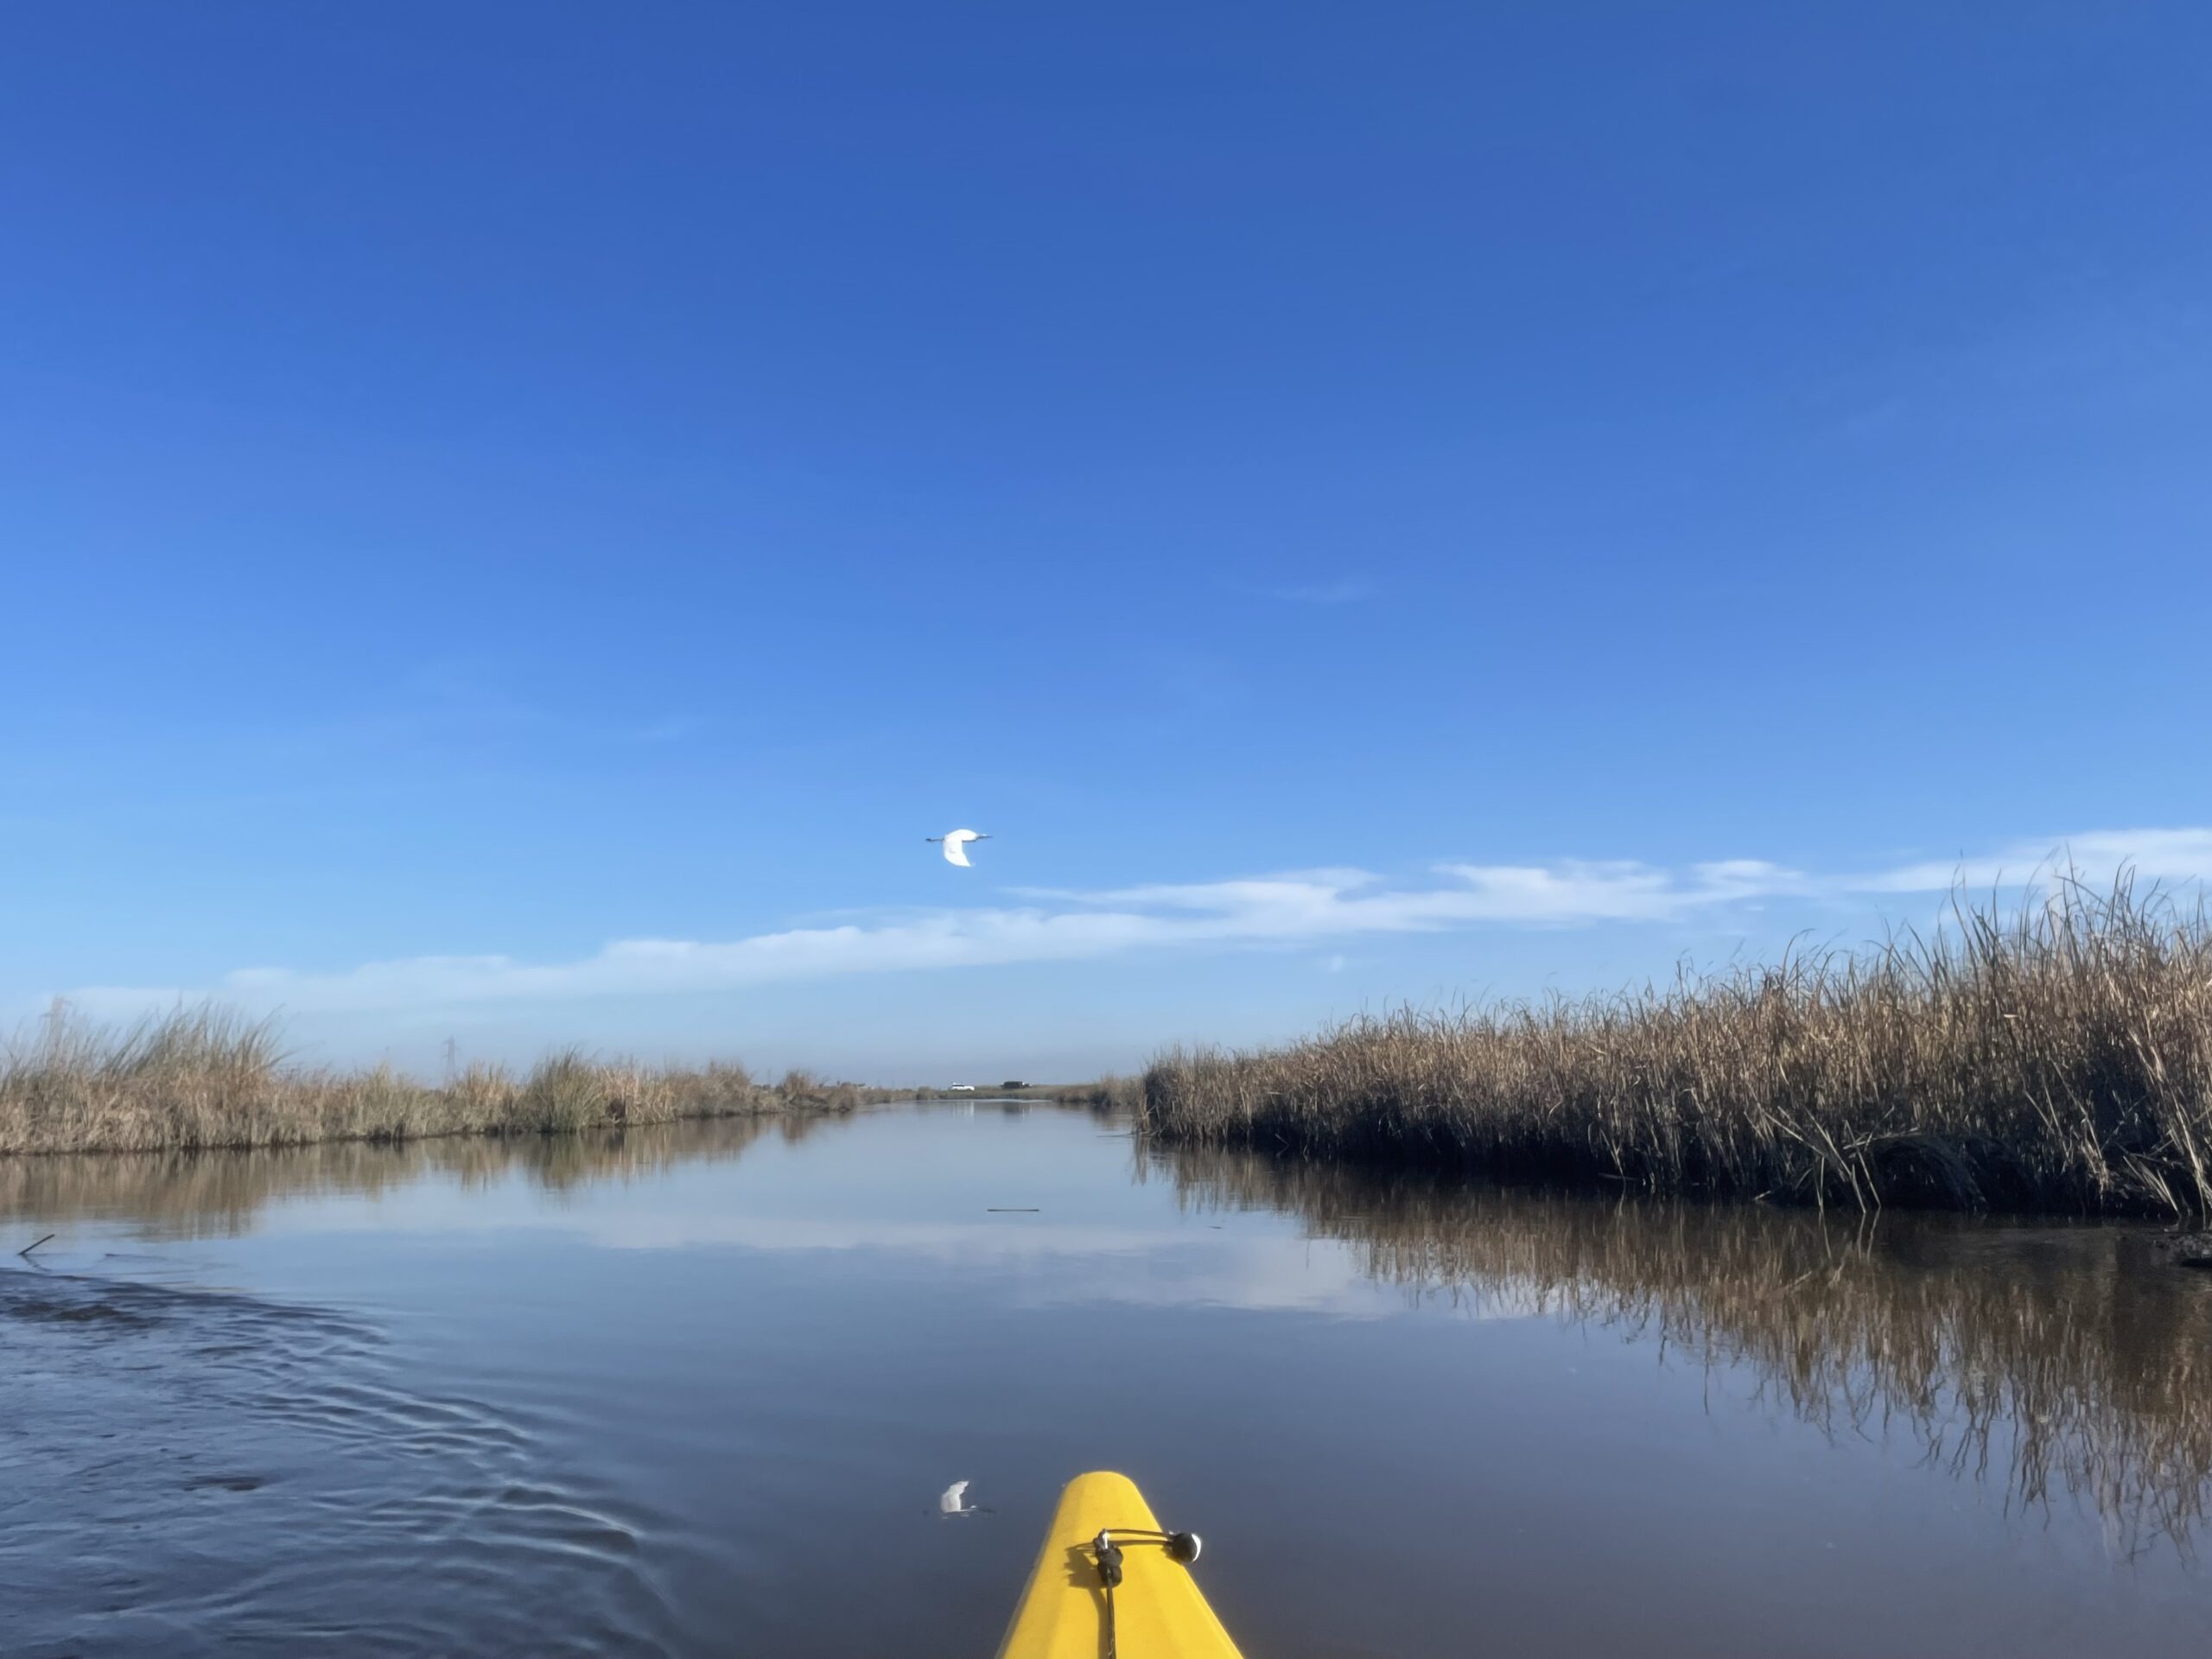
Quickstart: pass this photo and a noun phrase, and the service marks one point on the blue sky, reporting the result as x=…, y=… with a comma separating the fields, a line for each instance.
x=511, y=482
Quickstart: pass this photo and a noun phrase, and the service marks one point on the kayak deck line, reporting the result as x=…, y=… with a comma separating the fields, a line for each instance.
x=1099, y=1587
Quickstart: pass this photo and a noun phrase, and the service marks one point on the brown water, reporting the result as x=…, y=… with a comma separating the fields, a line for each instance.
x=694, y=1391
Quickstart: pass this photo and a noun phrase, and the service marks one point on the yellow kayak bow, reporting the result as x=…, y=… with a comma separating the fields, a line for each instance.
x=1110, y=1581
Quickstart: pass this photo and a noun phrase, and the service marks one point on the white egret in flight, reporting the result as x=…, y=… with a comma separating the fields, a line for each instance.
x=956, y=846
x=955, y=1502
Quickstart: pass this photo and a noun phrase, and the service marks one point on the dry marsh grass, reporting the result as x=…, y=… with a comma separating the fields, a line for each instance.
x=204, y=1077
x=1107, y=1097
x=2056, y=1059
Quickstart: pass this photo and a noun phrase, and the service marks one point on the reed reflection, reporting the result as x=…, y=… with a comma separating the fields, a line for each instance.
x=183, y=1195
x=2064, y=1363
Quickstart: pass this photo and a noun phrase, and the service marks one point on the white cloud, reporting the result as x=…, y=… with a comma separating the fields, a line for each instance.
x=2162, y=855
x=1309, y=907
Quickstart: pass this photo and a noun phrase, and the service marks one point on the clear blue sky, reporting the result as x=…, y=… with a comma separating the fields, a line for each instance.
x=502, y=480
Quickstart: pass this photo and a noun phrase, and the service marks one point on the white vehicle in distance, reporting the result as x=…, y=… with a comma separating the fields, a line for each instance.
x=959, y=1088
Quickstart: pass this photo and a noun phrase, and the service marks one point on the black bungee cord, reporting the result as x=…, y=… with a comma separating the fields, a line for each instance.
x=1107, y=1551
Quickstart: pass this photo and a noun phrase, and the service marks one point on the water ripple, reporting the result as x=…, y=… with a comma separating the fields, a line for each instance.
x=192, y=1468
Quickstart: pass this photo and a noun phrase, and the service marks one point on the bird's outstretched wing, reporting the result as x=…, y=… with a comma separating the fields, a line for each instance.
x=955, y=848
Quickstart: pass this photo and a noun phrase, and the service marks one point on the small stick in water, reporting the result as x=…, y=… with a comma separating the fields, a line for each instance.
x=33, y=1244
x=1012, y=1210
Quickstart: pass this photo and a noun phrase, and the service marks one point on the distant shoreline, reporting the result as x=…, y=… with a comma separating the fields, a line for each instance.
x=2051, y=1060
x=204, y=1079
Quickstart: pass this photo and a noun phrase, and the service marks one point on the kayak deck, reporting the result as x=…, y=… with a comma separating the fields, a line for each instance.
x=1157, y=1612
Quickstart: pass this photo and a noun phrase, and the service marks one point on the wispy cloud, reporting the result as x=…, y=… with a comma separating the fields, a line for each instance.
x=1308, y=906
x=2168, y=856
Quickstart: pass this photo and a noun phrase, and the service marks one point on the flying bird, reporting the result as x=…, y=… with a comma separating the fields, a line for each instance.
x=956, y=846
x=954, y=1502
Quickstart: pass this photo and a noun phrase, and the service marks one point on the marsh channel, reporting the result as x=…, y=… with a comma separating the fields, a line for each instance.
x=695, y=1389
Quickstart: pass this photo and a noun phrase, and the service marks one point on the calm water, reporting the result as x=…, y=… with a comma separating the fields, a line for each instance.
x=694, y=1391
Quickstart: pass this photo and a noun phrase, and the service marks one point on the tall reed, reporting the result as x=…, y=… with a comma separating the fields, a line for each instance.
x=2054, y=1058
x=204, y=1077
